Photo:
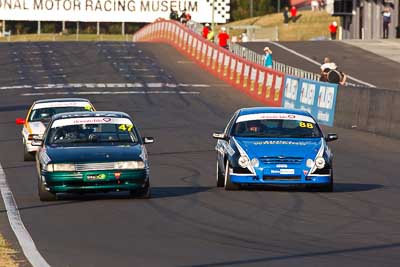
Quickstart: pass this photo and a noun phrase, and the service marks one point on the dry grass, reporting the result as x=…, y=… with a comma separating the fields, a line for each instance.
x=69, y=37
x=309, y=25
x=6, y=254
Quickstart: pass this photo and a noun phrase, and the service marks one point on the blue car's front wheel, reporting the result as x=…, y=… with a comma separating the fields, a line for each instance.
x=228, y=183
x=220, y=177
x=328, y=187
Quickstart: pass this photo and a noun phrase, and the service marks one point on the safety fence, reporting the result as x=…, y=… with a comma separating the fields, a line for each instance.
x=257, y=58
x=271, y=87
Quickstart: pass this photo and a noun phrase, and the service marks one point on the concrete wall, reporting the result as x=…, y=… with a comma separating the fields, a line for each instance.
x=369, y=109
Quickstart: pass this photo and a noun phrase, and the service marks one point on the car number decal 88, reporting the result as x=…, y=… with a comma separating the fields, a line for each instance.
x=303, y=124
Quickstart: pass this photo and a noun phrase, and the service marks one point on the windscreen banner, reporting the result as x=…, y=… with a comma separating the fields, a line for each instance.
x=318, y=98
x=112, y=10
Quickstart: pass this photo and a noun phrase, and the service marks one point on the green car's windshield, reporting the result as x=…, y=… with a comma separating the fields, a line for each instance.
x=43, y=114
x=83, y=134
x=272, y=128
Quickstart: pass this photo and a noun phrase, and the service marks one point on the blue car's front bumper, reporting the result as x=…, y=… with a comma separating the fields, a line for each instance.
x=279, y=180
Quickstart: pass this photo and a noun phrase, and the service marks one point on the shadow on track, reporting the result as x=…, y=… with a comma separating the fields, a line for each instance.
x=338, y=188
x=156, y=192
x=301, y=255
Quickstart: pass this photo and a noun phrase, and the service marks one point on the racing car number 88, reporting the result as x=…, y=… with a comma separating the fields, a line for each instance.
x=304, y=125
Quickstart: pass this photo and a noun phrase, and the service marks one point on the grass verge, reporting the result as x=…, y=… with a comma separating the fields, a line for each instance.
x=6, y=254
x=308, y=26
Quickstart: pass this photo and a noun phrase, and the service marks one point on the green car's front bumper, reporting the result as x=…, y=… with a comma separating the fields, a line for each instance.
x=95, y=181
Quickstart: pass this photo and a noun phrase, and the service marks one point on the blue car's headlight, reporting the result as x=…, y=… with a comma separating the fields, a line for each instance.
x=310, y=163
x=243, y=161
x=320, y=162
x=255, y=163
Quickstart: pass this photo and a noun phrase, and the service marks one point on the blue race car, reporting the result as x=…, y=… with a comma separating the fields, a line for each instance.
x=273, y=146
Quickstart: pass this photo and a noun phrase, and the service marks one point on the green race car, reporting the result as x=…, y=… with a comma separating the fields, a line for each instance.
x=92, y=152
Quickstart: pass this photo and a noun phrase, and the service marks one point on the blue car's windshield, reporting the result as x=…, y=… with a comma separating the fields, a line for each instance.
x=84, y=134
x=276, y=128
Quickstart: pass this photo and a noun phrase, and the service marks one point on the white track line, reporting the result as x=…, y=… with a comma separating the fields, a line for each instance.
x=101, y=85
x=23, y=236
x=115, y=93
x=318, y=64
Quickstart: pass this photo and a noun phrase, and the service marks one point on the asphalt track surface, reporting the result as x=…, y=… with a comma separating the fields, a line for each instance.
x=190, y=222
x=359, y=63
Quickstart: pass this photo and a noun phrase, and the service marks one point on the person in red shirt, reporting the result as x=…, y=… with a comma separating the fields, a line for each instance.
x=223, y=38
x=333, y=29
x=206, y=30
x=293, y=13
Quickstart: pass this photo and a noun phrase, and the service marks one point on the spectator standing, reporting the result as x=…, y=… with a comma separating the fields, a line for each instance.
x=333, y=30
x=173, y=15
x=314, y=5
x=293, y=13
x=244, y=38
x=206, y=30
x=268, y=57
x=185, y=17
x=223, y=38
x=286, y=15
x=210, y=35
x=387, y=19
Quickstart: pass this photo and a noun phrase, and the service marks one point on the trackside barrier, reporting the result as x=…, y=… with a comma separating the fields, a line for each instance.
x=316, y=97
x=266, y=85
x=243, y=74
x=369, y=109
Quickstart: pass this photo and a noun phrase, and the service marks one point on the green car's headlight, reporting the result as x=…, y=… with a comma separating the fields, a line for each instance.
x=60, y=167
x=123, y=165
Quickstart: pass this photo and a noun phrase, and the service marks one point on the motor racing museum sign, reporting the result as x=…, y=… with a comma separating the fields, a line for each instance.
x=111, y=10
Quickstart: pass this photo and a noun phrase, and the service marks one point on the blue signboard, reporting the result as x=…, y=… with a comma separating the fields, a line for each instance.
x=318, y=98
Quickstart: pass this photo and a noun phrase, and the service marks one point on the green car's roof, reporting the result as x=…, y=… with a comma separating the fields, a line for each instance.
x=85, y=114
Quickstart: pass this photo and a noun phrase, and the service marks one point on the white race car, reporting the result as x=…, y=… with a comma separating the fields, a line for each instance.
x=39, y=116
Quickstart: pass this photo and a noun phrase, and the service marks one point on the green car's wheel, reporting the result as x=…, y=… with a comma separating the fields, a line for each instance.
x=228, y=183
x=28, y=156
x=143, y=193
x=45, y=195
x=220, y=177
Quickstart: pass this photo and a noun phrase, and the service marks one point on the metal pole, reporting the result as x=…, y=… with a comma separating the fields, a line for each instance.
x=279, y=6
x=63, y=27
x=212, y=17
x=98, y=28
x=123, y=28
x=251, y=8
x=38, y=27
x=4, y=27
x=77, y=30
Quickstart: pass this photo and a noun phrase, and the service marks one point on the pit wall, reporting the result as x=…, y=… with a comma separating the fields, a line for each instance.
x=270, y=87
x=369, y=109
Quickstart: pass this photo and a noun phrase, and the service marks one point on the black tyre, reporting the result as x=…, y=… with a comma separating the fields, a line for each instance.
x=220, y=177
x=228, y=183
x=28, y=156
x=45, y=195
x=328, y=187
x=142, y=193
